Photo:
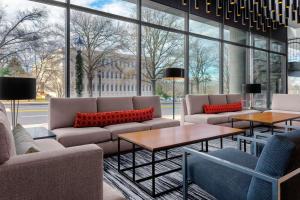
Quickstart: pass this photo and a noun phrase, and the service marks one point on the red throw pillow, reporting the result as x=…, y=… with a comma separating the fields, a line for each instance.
x=101, y=119
x=213, y=109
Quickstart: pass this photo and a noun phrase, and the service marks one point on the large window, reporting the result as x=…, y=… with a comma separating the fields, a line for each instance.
x=107, y=51
x=259, y=75
x=204, y=66
x=32, y=45
x=119, y=49
x=234, y=74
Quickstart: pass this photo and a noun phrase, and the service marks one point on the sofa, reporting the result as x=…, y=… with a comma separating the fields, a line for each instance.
x=55, y=172
x=62, y=113
x=192, y=110
x=286, y=103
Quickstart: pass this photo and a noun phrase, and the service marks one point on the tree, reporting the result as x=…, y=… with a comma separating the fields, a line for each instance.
x=101, y=38
x=160, y=48
x=15, y=34
x=79, y=74
x=202, y=60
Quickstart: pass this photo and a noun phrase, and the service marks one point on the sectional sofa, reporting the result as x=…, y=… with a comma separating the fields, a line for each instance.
x=63, y=110
x=192, y=110
x=55, y=172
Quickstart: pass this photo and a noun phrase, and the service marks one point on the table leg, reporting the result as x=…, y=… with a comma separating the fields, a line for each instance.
x=119, y=156
x=272, y=129
x=153, y=174
x=232, y=137
x=166, y=154
x=221, y=143
x=245, y=143
x=206, y=145
x=133, y=162
x=202, y=147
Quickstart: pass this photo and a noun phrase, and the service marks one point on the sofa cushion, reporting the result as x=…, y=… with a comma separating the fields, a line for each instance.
x=110, y=193
x=62, y=111
x=79, y=136
x=126, y=128
x=207, y=118
x=288, y=102
x=23, y=141
x=146, y=102
x=273, y=161
x=221, y=108
x=157, y=123
x=107, y=104
x=45, y=145
x=7, y=143
x=233, y=98
x=222, y=182
x=217, y=99
x=101, y=119
x=195, y=103
x=2, y=108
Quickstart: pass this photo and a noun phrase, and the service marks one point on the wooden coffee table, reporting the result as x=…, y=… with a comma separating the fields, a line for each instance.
x=164, y=140
x=266, y=118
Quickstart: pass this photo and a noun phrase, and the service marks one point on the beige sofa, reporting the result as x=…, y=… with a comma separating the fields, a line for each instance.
x=62, y=113
x=192, y=110
x=55, y=172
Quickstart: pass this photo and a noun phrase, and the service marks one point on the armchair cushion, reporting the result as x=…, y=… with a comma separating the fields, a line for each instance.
x=46, y=145
x=126, y=128
x=23, y=141
x=108, y=104
x=146, y=102
x=273, y=161
x=233, y=98
x=217, y=99
x=195, y=103
x=157, y=123
x=222, y=182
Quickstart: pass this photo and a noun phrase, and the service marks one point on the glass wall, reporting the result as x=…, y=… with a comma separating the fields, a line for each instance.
x=115, y=50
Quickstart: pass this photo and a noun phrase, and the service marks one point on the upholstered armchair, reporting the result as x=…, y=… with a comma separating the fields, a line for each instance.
x=232, y=174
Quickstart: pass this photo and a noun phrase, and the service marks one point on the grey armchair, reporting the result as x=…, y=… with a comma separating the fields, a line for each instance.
x=232, y=174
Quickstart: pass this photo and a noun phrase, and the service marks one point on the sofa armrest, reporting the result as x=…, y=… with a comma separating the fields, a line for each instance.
x=73, y=173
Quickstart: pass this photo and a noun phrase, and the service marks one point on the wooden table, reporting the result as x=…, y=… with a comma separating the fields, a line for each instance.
x=165, y=139
x=266, y=118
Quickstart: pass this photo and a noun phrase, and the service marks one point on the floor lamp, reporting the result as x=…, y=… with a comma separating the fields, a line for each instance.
x=174, y=74
x=252, y=89
x=15, y=89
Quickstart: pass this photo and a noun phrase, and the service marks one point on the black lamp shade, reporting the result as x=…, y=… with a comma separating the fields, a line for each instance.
x=253, y=88
x=174, y=73
x=14, y=88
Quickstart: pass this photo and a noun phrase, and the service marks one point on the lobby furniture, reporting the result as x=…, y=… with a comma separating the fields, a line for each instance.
x=62, y=113
x=55, y=172
x=232, y=174
x=286, y=103
x=266, y=118
x=15, y=89
x=252, y=89
x=38, y=133
x=174, y=74
x=165, y=139
x=192, y=110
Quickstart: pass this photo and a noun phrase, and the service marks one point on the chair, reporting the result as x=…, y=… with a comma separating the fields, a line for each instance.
x=232, y=174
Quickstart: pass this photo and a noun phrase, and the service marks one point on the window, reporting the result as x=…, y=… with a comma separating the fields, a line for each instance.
x=162, y=15
x=33, y=47
x=260, y=42
x=277, y=62
x=204, y=66
x=100, y=39
x=235, y=35
x=234, y=74
x=277, y=46
x=260, y=75
x=204, y=26
x=117, y=7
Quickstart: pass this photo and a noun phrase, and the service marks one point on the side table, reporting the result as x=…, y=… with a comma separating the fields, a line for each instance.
x=38, y=133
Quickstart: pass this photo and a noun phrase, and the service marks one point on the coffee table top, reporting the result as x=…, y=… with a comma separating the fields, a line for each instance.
x=166, y=138
x=267, y=117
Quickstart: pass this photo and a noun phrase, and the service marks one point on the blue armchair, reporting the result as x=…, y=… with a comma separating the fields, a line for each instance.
x=229, y=173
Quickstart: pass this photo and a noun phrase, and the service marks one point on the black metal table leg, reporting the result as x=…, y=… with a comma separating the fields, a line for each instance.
x=153, y=174
x=166, y=154
x=202, y=147
x=221, y=143
x=272, y=129
x=206, y=145
x=133, y=162
x=119, y=156
x=245, y=143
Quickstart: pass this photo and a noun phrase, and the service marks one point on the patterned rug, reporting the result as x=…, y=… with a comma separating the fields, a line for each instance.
x=132, y=192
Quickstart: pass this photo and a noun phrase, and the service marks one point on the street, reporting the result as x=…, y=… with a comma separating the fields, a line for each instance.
x=37, y=114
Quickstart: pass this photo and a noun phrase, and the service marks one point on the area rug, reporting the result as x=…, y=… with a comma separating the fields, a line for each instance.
x=132, y=192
